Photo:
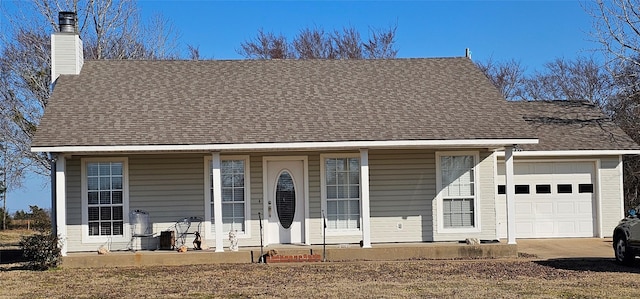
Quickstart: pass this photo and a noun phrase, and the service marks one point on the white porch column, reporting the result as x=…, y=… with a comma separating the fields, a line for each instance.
x=61, y=202
x=510, y=194
x=364, y=198
x=217, y=199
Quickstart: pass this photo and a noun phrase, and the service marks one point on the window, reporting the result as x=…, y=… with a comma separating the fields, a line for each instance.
x=342, y=193
x=522, y=189
x=564, y=188
x=457, y=174
x=543, y=189
x=502, y=189
x=585, y=188
x=234, y=195
x=458, y=212
x=104, y=198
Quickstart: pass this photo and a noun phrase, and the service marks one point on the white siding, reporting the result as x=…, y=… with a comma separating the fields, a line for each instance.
x=402, y=188
x=169, y=187
x=66, y=55
x=612, y=199
x=74, y=207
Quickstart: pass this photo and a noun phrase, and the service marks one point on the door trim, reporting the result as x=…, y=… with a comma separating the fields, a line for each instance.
x=305, y=171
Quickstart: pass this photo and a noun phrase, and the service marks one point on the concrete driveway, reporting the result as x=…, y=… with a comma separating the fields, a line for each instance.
x=567, y=248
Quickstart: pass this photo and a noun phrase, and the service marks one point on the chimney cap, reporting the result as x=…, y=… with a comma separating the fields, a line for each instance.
x=67, y=21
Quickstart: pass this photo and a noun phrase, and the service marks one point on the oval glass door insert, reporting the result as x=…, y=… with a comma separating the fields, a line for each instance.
x=285, y=199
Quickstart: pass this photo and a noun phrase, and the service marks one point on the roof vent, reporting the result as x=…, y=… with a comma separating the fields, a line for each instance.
x=67, y=21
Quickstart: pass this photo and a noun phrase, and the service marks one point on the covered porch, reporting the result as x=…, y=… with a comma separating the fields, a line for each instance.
x=153, y=180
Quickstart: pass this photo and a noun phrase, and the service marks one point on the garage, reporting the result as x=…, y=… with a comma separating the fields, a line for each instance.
x=553, y=199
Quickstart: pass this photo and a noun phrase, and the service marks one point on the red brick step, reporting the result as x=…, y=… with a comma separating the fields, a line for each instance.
x=298, y=258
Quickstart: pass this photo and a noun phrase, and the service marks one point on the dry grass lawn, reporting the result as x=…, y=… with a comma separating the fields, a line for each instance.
x=517, y=278
x=11, y=237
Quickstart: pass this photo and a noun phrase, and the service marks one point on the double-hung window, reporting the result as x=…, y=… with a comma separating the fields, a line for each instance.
x=457, y=185
x=341, y=192
x=104, y=199
x=234, y=183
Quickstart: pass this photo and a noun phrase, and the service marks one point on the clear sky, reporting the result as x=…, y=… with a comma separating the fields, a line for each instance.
x=533, y=32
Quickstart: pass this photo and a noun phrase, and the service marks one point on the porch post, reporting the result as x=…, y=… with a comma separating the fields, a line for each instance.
x=510, y=194
x=61, y=202
x=217, y=199
x=364, y=198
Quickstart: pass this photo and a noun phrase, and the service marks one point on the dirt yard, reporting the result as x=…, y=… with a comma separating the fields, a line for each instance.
x=593, y=278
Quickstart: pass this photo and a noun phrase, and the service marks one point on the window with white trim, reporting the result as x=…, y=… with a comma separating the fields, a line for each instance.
x=458, y=191
x=234, y=195
x=105, y=198
x=342, y=193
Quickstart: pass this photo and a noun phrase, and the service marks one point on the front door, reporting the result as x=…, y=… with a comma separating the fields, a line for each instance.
x=284, y=192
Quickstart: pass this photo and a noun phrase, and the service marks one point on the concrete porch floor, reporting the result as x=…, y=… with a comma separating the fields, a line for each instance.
x=334, y=253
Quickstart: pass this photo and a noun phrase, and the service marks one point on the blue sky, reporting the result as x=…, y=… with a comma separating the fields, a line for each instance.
x=533, y=32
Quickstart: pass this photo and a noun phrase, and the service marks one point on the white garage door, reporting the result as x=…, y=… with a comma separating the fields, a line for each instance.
x=553, y=199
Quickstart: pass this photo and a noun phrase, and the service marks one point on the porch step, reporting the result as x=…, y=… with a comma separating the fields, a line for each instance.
x=314, y=253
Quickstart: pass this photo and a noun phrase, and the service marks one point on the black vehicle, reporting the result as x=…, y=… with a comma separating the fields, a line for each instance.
x=626, y=238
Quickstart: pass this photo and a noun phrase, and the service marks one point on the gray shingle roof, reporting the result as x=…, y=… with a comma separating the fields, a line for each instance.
x=264, y=101
x=572, y=125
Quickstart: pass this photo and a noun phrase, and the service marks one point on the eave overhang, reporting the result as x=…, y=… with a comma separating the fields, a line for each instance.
x=567, y=153
x=492, y=144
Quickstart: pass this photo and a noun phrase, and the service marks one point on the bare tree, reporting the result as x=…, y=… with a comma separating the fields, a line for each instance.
x=381, y=43
x=508, y=76
x=316, y=43
x=25, y=65
x=348, y=44
x=109, y=30
x=624, y=107
x=313, y=44
x=579, y=79
x=561, y=79
x=113, y=30
x=194, y=52
x=616, y=26
x=266, y=46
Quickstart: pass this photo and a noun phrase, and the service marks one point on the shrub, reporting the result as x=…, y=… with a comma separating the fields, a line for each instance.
x=41, y=251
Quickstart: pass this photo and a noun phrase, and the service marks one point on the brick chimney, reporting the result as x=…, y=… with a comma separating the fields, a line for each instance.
x=66, y=47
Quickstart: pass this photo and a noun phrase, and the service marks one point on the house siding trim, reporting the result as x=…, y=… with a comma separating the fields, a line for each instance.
x=60, y=177
x=574, y=153
x=330, y=145
x=217, y=198
x=365, y=210
x=510, y=194
x=598, y=199
x=620, y=162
